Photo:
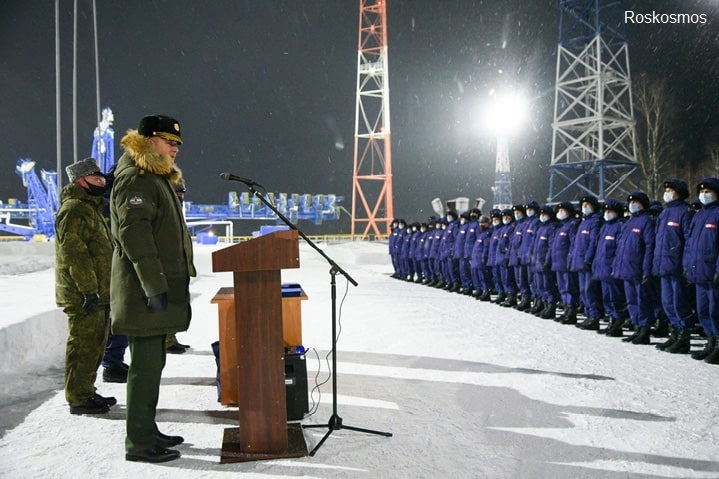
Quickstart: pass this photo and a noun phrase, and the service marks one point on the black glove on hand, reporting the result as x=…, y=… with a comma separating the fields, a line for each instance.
x=716, y=279
x=587, y=266
x=157, y=302
x=90, y=302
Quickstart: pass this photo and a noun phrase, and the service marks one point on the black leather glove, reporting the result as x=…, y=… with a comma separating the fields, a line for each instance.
x=686, y=274
x=157, y=302
x=90, y=302
x=716, y=279
x=587, y=266
x=505, y=262
x=645, y=279
x=546, y=266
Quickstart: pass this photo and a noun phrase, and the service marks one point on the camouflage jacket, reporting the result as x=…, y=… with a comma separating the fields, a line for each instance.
x=153, y=251
x=83, y=249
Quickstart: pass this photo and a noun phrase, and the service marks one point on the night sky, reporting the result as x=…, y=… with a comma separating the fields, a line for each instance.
x=265, y=89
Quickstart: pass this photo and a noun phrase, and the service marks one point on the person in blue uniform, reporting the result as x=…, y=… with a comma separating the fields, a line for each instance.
x=613, y=299
x=528, y=290
x=559, y=253
x=446, y=252
x=516, y=240
x=494, y=240
x=505, y=270
x=393, y=252
x=465, y=267
x=671, y=235
x=701, y=266
x=545, y=279
x=437, y=268
x=580, y=262
x=481, y=273
x=458, y=250
x=633, y=264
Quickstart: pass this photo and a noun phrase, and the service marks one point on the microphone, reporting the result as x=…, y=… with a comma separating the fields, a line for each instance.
x=230, y=177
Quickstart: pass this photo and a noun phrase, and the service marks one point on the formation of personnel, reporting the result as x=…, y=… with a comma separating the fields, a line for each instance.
x=649, y=267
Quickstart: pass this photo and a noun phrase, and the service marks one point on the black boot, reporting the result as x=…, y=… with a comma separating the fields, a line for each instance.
x=669, y=342
x=485, y=296
x=632, y=336
x=616, y=328
x=709, y=347
x=682, y=343
x=510, y=301
x=538, y=307
x=550, y=311
x=500, y=299
x=713, y=358
x=661, y=330
x=643, y=336
x=525, y=304
x=590, y=324
x=570, y=315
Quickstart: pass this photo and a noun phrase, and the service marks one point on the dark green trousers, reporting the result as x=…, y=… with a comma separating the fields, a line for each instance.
x=147, y=360
x=87, y=335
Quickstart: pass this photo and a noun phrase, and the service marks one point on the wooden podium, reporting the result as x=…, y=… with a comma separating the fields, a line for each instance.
x=263, y=432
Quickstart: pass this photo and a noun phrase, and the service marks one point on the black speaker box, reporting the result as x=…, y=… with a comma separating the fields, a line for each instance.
x=296, y=386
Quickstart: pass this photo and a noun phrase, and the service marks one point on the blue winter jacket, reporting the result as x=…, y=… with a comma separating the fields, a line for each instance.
x=480, y=250
x=542, y=243
x=671, y=234
x=505, y=234
x=528, y=238
x=516, y=240
x=701, y=253
x=635, y=248
x=446, y=246
x=459, y=240
x=494, y=238
x=562, y=244
x=585, y=242
x=606, y=250
x=470, y=239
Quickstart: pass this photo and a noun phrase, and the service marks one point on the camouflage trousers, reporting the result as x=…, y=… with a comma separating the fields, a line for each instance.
x=87, y=335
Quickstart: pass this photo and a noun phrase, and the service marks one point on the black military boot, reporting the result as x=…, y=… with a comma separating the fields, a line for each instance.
x=486, y=296
x=682, y=343
x=661, y=329
x=590, y=324
x=713, y=358
x=643, y=336
x=616, y=328
x=631, y=337
x=500, y=299
x=550, y=311
x=538, y=307
x=669, y=342
x=709, y=348
x=510, y=301
x=570, y=315
x=525, y=304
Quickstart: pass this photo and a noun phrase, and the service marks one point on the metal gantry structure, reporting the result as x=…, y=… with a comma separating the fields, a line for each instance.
x=593, y=143
x=502, y=189
x=372, y=208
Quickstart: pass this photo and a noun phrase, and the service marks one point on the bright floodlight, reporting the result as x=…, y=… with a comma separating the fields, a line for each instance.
x=505, y=113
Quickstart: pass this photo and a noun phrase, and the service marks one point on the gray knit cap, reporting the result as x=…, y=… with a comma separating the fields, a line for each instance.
x=81, y=168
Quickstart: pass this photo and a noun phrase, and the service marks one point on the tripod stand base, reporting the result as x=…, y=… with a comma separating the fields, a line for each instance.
x=335, y=424
x=232, y=451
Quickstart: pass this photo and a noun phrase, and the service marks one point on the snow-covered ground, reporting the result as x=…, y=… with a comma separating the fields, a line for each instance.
x=468, y=389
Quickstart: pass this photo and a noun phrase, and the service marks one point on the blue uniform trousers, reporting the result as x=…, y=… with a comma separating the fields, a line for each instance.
x=591, y=294
x=708, y=308
x=613, y=297
x=639, y=302
x=568, y=287
x=115, y=351
x=508, y=282
x=547, y=286
x=676, y=301
x=521, y=279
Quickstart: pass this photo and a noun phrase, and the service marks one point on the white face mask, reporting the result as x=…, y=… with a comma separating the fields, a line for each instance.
x=401, y=226
x=668, y=197
x=706, y=198
x=496, y=222
x=633, y=207
x=506, y=221
x=423, y=230
x=518, y=216
x=531, y=213
x=587, y=210
x=609, y=215
x=543, y=218
x=562, y=215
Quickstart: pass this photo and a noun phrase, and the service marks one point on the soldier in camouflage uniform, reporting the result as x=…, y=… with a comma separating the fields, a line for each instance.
x=82, y=283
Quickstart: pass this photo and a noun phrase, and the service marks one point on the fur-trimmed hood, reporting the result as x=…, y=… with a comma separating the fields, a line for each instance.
x=146, y=158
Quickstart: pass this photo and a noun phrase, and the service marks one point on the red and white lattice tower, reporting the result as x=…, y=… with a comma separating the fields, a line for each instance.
x=372, y=210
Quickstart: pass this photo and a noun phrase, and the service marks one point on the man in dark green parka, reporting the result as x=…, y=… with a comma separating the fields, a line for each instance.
x=83, y=252
x=151, y=269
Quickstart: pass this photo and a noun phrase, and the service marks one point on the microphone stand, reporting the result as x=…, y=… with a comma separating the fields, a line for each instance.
x=335, y=422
